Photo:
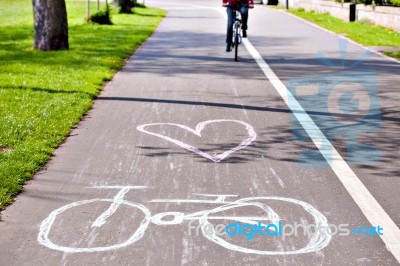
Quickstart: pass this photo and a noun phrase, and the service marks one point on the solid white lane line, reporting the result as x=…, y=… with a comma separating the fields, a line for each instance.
x=373, y=211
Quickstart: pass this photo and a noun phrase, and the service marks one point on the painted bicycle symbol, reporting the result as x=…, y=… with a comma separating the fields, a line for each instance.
x=316, y=242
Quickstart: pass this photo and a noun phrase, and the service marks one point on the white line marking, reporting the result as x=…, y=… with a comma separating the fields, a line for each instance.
x=200, y=126
x=277, y=177
x=372, y=210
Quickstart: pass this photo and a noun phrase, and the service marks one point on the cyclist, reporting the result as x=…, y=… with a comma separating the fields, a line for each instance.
x=243, y=7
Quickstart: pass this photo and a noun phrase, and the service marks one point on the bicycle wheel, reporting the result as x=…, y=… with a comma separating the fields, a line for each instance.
x=317, y=242
x=236, y=41
x=45, y=228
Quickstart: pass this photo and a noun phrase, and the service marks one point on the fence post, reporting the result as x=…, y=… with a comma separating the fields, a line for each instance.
x=87, y=9
x=352, y=15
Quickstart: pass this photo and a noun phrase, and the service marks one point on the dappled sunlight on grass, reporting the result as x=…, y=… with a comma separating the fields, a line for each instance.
x=44, y=94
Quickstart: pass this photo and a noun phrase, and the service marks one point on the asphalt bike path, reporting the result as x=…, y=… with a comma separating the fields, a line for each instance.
x=184, y=135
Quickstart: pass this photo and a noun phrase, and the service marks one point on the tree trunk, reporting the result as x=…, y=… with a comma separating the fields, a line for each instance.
x=125, y=6
x=50, y=23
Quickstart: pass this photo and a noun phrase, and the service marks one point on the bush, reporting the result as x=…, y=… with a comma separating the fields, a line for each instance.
x=396, y=2
x=101, y=17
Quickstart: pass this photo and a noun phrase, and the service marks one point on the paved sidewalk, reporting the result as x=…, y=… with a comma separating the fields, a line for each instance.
x=183, y=133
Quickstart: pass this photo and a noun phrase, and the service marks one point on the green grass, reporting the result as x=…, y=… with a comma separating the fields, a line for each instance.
x=361, y=32
x=45, y=94
x=395, y=54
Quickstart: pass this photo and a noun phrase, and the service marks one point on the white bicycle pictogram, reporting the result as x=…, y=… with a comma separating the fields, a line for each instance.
x=317, y=241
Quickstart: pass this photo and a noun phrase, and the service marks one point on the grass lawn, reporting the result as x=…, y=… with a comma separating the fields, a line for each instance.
x=361, y=32
x=45, y=94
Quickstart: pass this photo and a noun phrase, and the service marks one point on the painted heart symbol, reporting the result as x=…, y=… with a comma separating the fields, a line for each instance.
x=200, y=126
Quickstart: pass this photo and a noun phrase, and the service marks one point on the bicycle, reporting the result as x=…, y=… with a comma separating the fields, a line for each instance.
x=316, y=242
x=237, y=32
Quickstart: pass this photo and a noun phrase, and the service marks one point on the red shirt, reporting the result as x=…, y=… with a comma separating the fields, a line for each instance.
x=237, y=2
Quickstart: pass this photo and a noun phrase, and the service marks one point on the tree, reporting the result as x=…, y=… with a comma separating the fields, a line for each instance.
x=125, y=6
x=50, y=23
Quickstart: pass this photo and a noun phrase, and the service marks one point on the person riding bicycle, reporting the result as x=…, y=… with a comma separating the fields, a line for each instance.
x=243, y=7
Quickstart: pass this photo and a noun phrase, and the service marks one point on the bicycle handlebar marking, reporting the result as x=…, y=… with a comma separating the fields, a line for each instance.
x=199, y=127
x=317, y=242
x=117, y=201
